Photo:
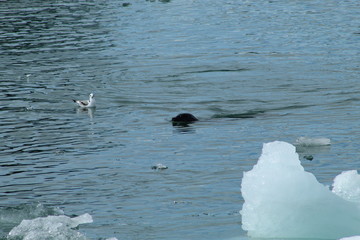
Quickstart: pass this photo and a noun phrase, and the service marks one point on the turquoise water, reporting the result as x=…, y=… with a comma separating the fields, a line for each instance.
x=252, y=72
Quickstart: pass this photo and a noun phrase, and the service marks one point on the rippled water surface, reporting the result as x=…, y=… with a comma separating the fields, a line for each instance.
x=251, y=71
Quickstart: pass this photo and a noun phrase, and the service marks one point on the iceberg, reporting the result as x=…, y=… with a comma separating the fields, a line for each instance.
x=351, y=238
x=50, y=227
x=282, y=200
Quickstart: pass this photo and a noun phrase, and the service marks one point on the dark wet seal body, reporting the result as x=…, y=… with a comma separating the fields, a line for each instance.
x=309, y=157
x=183, y=119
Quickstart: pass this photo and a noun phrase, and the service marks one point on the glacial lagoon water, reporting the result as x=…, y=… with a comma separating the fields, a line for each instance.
x=251, y=71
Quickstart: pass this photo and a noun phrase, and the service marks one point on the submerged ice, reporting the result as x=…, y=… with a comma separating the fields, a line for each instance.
x=282, y=200
x=312, y=142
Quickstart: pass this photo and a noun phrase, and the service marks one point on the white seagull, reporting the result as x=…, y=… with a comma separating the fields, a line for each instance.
x=87, y=103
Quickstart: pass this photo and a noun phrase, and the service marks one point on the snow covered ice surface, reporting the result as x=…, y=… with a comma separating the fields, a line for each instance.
x=282, y=200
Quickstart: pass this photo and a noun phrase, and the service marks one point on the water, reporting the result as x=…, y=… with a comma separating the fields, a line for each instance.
x=251, y=71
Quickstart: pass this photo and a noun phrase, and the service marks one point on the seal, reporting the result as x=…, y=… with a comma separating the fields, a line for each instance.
x=183, y=119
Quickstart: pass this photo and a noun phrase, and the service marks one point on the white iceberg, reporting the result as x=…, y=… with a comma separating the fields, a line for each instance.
x=282, y=200
x=51, y=227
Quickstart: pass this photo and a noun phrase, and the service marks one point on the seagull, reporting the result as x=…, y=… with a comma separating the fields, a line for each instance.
x=87, y=103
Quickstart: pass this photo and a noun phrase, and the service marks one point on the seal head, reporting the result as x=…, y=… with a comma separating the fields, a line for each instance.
x=183, y=119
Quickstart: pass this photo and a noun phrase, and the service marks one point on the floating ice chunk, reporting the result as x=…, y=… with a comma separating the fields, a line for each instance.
x=51, y=227
x=284, y=201
x=82, y=219
x=312, y=142
x=11, y=216
x=159, y=166
x=347, y=186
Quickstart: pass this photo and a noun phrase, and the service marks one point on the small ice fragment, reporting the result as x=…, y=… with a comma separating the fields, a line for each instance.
x=312, y=142
x=27, y=77
x=82, y=219
x=159, y=166
x=347, y=186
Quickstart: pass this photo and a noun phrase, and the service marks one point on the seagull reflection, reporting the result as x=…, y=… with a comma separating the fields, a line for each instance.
x=89, y=111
